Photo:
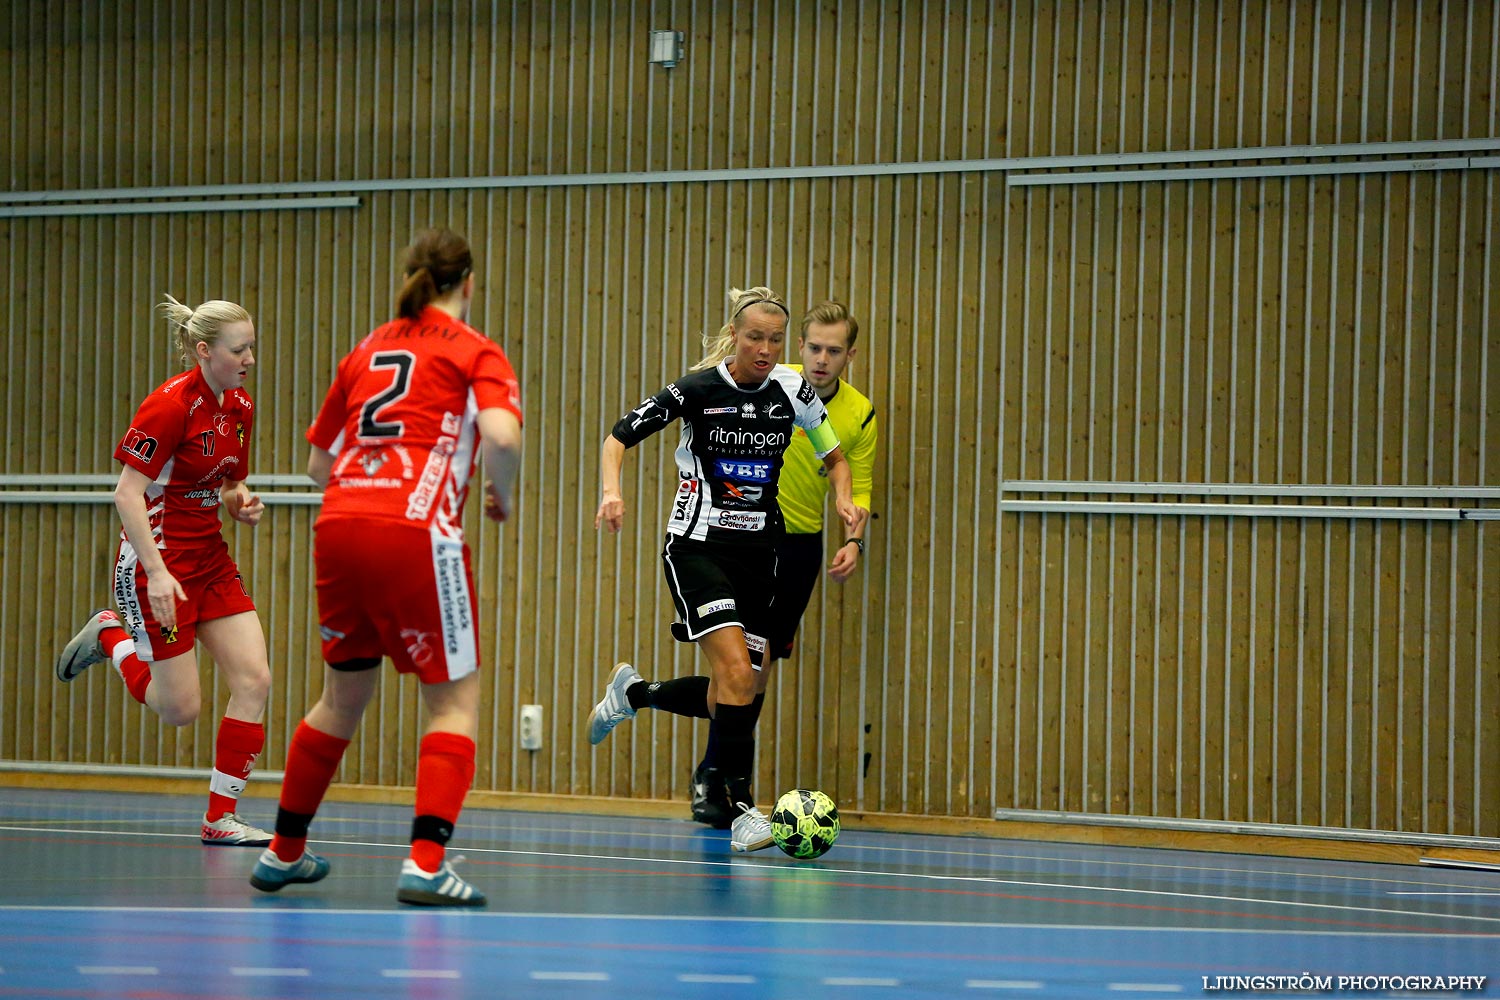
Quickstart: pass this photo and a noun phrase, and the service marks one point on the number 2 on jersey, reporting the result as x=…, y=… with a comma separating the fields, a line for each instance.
x=370, y=424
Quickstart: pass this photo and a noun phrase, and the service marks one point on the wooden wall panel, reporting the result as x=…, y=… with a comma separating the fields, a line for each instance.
x=1292, y=330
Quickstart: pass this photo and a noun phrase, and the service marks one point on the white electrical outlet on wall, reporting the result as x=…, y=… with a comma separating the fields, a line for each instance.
x=531, y=727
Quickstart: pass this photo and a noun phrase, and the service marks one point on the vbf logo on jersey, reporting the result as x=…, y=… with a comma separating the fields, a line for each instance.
x=139, y=444
x=745, y=472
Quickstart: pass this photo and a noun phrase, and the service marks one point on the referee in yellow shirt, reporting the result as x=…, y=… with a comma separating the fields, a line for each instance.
x=826, y=345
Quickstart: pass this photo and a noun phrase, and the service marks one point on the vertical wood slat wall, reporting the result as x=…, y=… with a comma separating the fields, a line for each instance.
x=1330, y=329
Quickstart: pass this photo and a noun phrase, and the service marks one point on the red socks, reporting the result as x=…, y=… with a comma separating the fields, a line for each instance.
x=132, y=669
x=311, y=762
x=445, y=770
x=235, y=750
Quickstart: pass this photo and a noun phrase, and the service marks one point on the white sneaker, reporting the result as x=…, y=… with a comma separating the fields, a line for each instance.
x=231, y=831
x=751, y=830
x=615, y=706
x=83, y=650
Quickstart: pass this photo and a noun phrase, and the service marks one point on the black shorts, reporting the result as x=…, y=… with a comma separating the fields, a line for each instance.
x=799, y=562
x=717, y=586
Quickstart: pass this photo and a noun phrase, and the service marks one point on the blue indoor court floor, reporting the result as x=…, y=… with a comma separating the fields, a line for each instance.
x=111, y=895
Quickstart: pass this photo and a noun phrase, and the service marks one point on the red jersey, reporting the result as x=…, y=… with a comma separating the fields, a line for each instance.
x=402, y=420
x=187, y=443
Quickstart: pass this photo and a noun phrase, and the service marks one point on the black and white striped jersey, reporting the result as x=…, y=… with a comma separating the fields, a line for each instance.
x=729, y=458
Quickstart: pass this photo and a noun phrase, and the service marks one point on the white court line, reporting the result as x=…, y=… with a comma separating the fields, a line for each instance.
x=248, y=970
x=1003, y=984
x=1396, y=892
x=571, y=977
x=118, y=970
x=743, y=864
x=857, y=981
x=701, y=977
x=819, y=921
x=697, y=839
x=420, y=973
x=1145, y=987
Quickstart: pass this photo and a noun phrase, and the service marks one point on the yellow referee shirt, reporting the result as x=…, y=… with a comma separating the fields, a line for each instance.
x=804, y=480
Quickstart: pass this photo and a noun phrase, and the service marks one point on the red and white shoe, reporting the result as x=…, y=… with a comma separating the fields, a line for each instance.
x=84, y=650
x=231, y=831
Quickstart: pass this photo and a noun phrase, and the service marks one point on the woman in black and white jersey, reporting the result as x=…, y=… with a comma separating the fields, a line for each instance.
x=739, y=410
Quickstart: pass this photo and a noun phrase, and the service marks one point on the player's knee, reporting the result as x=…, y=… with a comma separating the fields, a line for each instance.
x=254, y=687
x=180, y=709
x=736, y=687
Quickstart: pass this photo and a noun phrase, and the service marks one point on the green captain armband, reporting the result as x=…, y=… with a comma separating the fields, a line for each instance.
x=823, y=438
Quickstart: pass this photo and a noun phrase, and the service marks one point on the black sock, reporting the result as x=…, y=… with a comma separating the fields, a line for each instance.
x=711, y=751
x=290, y=824
x=735, y=748
x=681, y=696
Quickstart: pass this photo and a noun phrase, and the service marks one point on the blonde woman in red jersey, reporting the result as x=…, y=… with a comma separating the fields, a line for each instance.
x=186, y=454
x=394, y=445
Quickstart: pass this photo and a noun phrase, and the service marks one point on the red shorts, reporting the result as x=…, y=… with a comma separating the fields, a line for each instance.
x=396, y=590
x=213, y=586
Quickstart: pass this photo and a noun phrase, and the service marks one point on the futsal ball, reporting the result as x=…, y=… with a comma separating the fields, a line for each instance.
x=805, y=823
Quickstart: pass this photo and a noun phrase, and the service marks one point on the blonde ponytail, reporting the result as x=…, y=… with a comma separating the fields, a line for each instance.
x=719, y=346
x=201, y=325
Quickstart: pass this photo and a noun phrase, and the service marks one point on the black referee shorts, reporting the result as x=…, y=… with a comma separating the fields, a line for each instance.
x=799, y=562
x=715, y=586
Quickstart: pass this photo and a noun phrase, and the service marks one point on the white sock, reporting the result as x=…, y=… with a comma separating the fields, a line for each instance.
x=123, y=648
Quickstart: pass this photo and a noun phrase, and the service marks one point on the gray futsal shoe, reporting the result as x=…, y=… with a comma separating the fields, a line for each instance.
x=83, y=650
x=440, y=888
x=615, y=706
x=271, y=873
x=751, y=830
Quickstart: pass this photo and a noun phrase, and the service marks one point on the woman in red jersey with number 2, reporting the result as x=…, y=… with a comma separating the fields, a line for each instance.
x=409, y=412
x=186, y=455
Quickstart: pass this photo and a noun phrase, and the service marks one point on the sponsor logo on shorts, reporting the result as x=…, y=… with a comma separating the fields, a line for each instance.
x=755, y=643
x=735, y=520
x=716, y=410
x=169, y=634
x=714, y=607
x=745, y=472
x=452, y=593
x=329, y=634
x=417, y=647
x=126, y=598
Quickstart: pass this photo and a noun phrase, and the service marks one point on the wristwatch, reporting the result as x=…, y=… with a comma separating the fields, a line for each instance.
x=859, y=542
